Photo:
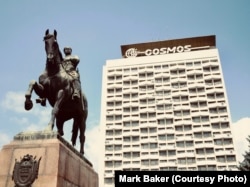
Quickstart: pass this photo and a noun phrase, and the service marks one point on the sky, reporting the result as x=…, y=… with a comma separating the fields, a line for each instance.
x=95, y=30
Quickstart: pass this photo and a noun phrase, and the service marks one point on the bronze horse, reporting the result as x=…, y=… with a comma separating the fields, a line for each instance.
x=55, y=85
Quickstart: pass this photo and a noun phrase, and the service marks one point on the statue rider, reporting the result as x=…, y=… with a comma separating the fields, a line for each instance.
x=70, y=63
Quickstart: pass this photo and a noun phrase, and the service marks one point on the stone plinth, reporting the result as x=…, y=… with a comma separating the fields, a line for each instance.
x=61, y=165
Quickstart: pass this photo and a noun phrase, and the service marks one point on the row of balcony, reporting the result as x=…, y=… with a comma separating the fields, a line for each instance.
x=210, y=65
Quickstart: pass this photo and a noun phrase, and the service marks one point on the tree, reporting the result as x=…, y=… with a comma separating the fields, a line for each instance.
x=245, y=165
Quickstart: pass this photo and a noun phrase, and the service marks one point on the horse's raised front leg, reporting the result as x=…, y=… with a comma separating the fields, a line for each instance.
x=33, y=85
x=28, y=102
x=55, y=110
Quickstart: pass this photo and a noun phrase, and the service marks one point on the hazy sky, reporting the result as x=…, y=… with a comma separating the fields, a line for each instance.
x=96, y=30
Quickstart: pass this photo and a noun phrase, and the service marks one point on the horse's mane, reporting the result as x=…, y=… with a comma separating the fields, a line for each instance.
x=60, y=54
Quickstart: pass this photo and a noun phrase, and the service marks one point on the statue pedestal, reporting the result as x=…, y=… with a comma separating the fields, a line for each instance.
x=60, y=165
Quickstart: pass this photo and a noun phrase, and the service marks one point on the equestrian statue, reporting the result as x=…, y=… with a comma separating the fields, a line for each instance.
x=60, y=85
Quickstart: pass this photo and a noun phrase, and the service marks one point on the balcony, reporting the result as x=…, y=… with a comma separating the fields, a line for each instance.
x=215, y=90
x=131, y=77
x=194, y=71
x=130, y=90
x=219, y=119
x=212, y=76
x=145, y=82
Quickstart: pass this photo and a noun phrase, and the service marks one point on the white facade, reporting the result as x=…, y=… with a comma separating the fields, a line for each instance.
x=165, y=112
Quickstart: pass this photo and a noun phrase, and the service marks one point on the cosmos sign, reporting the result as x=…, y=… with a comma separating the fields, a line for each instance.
x=133, y=52
x=167, y=47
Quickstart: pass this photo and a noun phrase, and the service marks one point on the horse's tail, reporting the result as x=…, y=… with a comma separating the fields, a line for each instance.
x=74, y=133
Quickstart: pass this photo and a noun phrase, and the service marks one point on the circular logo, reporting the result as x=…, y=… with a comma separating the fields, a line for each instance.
x=132, y=52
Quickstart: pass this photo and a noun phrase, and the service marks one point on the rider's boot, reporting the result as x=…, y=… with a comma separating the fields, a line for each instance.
x=77, y=87
x=76, y=94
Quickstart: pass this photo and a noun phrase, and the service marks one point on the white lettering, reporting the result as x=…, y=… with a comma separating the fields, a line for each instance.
x=195, y=179
x=148, y=52
x=124, y=178
x=224, y=178
x=187, y=48
x=156, y=51
x=180, y=49
x=169, y=50
x=163, y=50
x=166, y=50
x=147, y=178
x=132, y=52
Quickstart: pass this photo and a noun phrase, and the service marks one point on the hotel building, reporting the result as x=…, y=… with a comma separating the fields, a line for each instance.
x=165, y=107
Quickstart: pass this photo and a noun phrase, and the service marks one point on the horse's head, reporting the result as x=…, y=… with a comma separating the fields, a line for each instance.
x=52, y=47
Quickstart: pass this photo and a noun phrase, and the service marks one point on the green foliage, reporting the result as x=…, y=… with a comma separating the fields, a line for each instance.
x=245, y=165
